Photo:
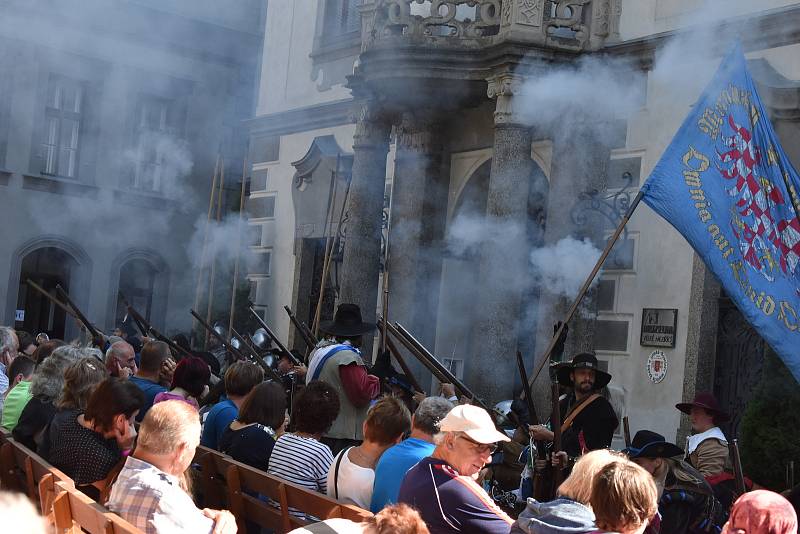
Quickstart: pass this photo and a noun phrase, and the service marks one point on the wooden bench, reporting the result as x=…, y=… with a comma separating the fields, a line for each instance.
x=213, y=486
x=75, y=512
x=248, y=491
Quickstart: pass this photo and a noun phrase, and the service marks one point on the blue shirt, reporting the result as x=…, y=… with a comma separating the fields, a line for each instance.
x=150, y=390
x=392, y=467
x=218, y=420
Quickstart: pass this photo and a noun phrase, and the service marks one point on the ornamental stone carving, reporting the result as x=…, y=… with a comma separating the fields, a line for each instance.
x=415, y=132
x=458, y=22
x=508, y=89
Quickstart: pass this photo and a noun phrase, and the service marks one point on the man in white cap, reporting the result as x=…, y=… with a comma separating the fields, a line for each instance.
x=442, y=486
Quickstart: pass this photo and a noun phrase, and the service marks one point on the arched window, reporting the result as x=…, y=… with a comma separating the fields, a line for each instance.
x=137, y=278
x=46, y=267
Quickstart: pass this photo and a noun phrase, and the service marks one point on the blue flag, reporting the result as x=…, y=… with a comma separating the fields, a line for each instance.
x=725, y=184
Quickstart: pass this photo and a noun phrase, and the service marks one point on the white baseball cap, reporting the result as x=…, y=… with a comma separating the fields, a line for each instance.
x=473, y=421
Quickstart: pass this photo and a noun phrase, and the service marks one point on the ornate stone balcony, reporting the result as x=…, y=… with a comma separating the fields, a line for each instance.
x=564, y=24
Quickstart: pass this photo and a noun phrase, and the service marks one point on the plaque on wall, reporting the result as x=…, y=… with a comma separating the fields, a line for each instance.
x=658, y=327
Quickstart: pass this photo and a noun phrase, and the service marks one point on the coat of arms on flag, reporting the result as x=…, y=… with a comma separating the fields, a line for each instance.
x=725, y=184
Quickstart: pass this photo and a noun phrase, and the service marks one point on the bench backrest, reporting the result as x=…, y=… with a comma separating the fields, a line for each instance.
x=75, y=512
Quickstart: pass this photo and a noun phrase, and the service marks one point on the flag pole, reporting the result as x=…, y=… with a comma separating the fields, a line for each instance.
x=238, y=248
x=582, y=293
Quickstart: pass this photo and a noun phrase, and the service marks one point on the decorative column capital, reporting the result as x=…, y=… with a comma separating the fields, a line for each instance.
x=508, y=88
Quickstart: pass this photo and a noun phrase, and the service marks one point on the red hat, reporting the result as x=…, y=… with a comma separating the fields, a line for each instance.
x=708, y=402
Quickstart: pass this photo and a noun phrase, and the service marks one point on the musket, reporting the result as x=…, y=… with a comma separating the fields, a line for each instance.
x=256, y=357
x=627, y=431
x=274, y=338
x=96, y=335
x=225, y=345
x=542, y=484
x=50, y=297
x=397, y=356
x=555, y=422
x=308, y=338
x=385, y=304
x=430, y=361
x=733, y=448
x=149, y=330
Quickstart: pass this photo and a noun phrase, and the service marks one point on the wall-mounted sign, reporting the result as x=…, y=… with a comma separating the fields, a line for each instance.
x=657, y=366
x=658, y=327
x=19, y=316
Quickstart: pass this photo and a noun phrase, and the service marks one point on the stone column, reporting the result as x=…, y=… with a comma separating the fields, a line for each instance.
x=503, y=267
x=581, y=152
x=416, y=229
x=362, y=246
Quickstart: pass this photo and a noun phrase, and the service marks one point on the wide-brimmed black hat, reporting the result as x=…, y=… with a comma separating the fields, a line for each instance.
x=347, y=322
x=709, y=403
x=649, y=444
x=584, y=360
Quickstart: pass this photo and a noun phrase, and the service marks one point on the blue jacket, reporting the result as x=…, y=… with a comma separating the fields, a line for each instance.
x=560, y=516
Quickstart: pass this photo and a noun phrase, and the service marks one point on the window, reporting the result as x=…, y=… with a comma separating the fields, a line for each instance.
x=606, y=290
x=62, y=129
x=341, y=18
x=456, y=366
x=152, y=133
x=261, y=207
x=611, y=335
x=136, y=281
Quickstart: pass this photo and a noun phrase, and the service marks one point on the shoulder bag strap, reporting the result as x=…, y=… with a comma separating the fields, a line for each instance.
x=336, y=472
x=578, y=408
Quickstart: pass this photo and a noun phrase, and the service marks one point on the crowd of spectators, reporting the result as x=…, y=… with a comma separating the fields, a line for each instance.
x=125, y=424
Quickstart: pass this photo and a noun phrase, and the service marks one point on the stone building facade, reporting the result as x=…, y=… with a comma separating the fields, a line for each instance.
x=112, y=115
x=435, y=115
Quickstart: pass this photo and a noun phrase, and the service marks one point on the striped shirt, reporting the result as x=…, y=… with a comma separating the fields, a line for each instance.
x=302, y=461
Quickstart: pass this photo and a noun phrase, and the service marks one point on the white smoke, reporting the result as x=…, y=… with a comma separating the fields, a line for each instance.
x=561, y=269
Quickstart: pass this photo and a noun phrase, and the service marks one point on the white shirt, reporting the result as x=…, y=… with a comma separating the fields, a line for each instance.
x=693, y=441
x=355, y=482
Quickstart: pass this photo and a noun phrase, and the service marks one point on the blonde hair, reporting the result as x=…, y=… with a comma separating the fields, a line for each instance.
x=396, y=519
x=578, y=486
x=624, y=497
x=167, y=425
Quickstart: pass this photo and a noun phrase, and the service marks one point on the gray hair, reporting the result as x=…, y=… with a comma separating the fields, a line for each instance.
x=429, y=414
x=7, y=340
x=115, y=350
x=48, y=380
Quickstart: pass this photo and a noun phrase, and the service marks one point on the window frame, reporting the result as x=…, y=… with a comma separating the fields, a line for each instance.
x=60, y=115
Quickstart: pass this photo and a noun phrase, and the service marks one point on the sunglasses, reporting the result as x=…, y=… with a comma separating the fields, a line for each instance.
x=481, y=448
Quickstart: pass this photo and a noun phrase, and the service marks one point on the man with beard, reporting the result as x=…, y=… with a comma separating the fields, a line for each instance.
x=587, y=419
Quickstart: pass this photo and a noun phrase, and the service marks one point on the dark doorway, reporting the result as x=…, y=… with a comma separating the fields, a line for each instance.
x=738, y=364
x=136, y=281
x=47, y=267
x=329, y=297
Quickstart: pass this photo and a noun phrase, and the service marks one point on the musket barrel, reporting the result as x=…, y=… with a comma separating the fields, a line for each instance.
x=50, y=297
x=402, y=362
x=443, y=371
x=80, y=316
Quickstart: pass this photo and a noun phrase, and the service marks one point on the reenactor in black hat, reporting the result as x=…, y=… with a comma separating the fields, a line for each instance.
x=587, y=419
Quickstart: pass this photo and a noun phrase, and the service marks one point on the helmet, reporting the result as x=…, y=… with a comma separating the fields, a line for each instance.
x=501, y=410
x=261, y=339
x=235, y=343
